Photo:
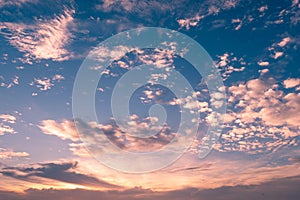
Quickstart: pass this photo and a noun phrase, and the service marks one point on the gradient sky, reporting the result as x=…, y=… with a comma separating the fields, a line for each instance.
x=255, y=47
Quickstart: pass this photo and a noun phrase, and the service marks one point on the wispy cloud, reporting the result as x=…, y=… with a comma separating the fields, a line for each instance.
x=64, y=130
x=47, y=39
x=9, y=154
x=14, y=3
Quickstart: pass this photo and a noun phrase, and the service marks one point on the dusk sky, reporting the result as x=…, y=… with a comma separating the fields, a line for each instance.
x=132, y=99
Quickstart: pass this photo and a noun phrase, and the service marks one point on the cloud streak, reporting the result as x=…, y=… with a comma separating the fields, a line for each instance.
x=59, y=171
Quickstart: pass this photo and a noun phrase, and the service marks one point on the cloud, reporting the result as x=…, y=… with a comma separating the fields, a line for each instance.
x=14, y=3
x=44, y=40
x=291, y=82
x=5, y=121
x=59, y=171
x=207, y=8
x=188, y=22
x=259, y=111
x=277, y=55
x=44, y=84
x=263, y=63
x=100, y=135
x=228, y=64
x=270, y=190
x=263, y=71
x=13, y=82
x=65, y=130
x=8, y=118
x=284, y=41
x=9, y=154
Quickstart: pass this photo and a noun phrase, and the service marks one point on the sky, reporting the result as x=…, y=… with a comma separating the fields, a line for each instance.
x=205, y=107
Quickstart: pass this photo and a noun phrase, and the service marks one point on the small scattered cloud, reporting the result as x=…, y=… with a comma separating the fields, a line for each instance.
x=189, y=22
x=44, y=84
x=13, y=82
x=228, y=64
x=263, y=8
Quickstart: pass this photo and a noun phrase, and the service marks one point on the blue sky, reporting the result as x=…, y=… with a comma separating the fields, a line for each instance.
x=254, y=46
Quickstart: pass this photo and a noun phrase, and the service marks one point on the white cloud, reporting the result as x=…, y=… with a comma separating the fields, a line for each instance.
x=284, y=41
x=263, y=71
x=277, y=55
x=263, y=63
x=44, y=40
x=291, y=82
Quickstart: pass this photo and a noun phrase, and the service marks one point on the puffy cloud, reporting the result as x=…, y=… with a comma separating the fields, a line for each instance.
x=277, y=55
x=43, y=40
x=291, y=82
x=263, y=63
x=259, y=111
x=263, y=71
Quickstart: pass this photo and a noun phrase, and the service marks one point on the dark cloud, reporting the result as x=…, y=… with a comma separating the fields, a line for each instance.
x=287, y=188
x=204, y=167
x=64, y=172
